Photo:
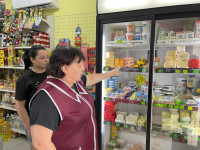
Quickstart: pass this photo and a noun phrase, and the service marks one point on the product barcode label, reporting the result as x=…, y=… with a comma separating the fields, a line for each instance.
x=182, y=107
x=177, y=71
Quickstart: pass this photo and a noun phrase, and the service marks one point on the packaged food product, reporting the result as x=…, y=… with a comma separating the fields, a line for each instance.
x=129, y=36
x=142, y=121
x=191, y=81
x=181, y=84
x=189, y=34
x=172, y=35
x=130, y=27
x=145, y=27
x=119, y=62
x=194, y=63
x=180, y=35
x=11, y=51
x=138, y=28
x=110, y=107
x=120, y=142
x=111, y=144
x=184, y=116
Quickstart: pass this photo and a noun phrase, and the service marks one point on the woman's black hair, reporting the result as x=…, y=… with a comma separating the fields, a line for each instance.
x=32, y=52
x=63, y=55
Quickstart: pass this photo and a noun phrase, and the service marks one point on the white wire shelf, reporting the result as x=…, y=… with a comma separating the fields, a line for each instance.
x=5, y=90
x=18, y=131
x=9, y=67
x=8, y=107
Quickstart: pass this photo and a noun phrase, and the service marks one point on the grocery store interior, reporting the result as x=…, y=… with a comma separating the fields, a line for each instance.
x=153, y=104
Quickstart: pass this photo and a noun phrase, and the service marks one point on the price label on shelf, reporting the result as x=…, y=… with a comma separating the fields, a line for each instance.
x=160, y=105
x=143, y=103
x=155, y=132
x=107, y=123
x=175, y=136
x=160, y=71
x=198, y=139
x=196, y=71
x=185, y=71
x=185, y=137
x=170, y=106
x=165, y=105
x=106, y=69
x=177, y=71
x=176, y=107
x=125, y=126
x=107, y=98
x=177, y=103
x=182, y=107
x=156, y=104
x=190, y=108
x=132, y=128
x=144, y=70
x=117, y=124
x=166, y=133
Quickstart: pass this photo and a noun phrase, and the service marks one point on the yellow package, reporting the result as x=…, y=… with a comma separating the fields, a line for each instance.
x=171, y=53
x=2, y=54
x=110, y=54
x=119, y=62
x=10, y=61
x=11, y=51
x=1, y=62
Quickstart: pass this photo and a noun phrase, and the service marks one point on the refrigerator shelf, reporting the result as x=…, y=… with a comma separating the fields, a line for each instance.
x=176, y=106
x=140, y=44
x=124, y=101
x=176, y=42
x=126, y=69
x=177, y=70
x=181, y=107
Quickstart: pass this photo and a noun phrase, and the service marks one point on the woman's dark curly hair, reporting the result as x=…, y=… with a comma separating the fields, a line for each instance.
x=63, y=55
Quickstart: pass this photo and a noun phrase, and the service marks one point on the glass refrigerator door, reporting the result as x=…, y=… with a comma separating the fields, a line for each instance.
x=124, y=97
x=176, y=91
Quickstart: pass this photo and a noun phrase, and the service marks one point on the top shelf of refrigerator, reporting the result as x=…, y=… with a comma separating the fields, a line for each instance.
x=169, y=33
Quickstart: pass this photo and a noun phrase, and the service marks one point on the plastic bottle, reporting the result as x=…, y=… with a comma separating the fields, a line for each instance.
x=6, y=131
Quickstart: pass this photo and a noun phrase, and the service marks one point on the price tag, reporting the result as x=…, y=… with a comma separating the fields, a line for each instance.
x=125, y=126
x=177, y=71
x=143, y=103
x=107, y=123
x=182, y=107
x=144, y=70
x=156, y=105
x=185, y=137
x=176, y=107
x=170, y=106
x=198, y=139
x=107, y=98
x=164, y=105
x=117, y=124
x=132, y=128
x=190, y=108
x=175, y=136
x=185, y=71
x=160, y=71
x=196, y=71
x=177, y=103
x=155, y=132
x=33, y=19
x=166, y=133
x=160, y=105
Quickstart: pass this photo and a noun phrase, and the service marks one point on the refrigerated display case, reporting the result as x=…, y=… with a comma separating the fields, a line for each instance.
x=154, y=102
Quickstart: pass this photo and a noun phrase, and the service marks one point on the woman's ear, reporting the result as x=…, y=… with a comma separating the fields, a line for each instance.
x=64, y=68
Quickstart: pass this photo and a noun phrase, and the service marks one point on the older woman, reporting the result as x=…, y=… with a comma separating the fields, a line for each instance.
x=62, y=111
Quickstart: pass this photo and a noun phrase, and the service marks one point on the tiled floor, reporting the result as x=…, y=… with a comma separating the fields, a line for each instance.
x=19, y=143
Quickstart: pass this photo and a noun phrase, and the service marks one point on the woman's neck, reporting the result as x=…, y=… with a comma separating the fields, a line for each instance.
x=68, y=81
x=37, y=70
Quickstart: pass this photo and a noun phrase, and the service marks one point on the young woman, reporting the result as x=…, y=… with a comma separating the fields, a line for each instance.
x=36, y=60
x=62, y=111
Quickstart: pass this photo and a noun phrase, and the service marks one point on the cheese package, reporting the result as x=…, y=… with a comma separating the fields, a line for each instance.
x=182, y=64
x=183, y=56
x=175, y=117
x=197, y=131
x=132, y=119
x=119, y=62
x=142, y=121
x=166, y=120
x=166, y=114
x=177, y=127
x=120, y=118
x=166, y=127
x=171, y=53
x=170, y=62
x=110, y=54
x=185, y=116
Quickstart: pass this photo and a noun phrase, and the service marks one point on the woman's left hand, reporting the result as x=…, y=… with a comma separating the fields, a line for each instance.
x=115, y=72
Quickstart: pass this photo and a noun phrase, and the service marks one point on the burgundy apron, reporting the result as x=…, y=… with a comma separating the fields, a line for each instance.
x=77, y=130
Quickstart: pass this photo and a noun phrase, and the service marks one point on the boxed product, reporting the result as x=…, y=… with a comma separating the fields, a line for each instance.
x=119, y=62
x=10, y=61
x=2, y=54
x=1, y=62
x=110, y=118
x=142, y=121
x=11, y=51
x=110, y=108
x=170, y=59
x=132, y=119
x=184, y=116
